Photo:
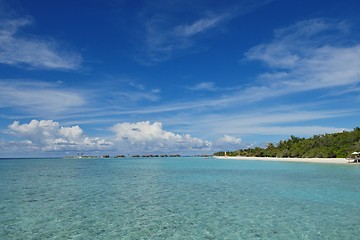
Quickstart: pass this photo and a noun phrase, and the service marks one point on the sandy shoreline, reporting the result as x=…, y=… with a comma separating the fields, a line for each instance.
x=304, y=160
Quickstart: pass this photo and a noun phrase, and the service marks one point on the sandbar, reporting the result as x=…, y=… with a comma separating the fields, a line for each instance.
x=303, y=160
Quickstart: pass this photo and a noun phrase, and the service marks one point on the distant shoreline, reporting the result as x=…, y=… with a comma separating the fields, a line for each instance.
x=303, y=160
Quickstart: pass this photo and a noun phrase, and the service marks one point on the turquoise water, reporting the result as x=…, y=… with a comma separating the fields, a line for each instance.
x=180, y=198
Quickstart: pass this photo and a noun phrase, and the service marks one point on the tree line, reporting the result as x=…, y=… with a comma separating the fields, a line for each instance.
x=335, y=145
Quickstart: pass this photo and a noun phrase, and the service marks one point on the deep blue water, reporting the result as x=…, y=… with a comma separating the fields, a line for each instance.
x=177, y=198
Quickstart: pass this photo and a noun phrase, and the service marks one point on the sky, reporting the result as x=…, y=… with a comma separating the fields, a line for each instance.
x=164, y=77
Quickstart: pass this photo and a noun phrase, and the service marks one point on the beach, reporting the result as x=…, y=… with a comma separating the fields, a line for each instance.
x=305, y=160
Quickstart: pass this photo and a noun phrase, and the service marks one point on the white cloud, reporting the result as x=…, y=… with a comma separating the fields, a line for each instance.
x=309, y=55
x=47, y=135
x=199, y=26
x=34, y=52
x=178, y=26
x=228, y=143
x=37, y=97
x=166, y=35
x=152, y=138
x=207, y=86
x=316, y=54
x=267, y=122
x=297, y=41
x=289, y=130
x=271, y=117
x=230, y=139
x=136, y=96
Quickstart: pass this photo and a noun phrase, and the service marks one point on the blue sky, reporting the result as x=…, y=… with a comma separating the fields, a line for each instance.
x=189, y=77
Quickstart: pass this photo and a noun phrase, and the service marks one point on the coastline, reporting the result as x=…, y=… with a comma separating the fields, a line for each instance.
x=303, y=160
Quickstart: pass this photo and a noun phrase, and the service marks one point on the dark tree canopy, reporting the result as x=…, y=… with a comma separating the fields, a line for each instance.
x=335, y=145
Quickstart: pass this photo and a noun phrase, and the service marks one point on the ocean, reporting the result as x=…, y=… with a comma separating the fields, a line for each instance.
x=177, y=198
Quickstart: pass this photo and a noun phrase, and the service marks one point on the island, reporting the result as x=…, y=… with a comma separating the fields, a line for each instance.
x=331, y=146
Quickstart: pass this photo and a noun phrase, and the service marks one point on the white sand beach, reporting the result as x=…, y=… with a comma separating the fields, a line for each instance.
x=305, y=160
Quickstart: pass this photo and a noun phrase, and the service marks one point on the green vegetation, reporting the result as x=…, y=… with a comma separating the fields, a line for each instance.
x=336, y=145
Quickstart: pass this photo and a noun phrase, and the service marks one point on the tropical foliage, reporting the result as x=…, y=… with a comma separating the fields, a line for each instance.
x=336, y=145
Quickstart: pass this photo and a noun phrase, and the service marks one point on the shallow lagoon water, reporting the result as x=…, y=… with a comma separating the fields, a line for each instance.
x=177, y=198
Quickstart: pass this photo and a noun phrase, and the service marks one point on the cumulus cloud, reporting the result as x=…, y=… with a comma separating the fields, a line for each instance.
x=47, y=135
x=230, y=139
x=227, y=142
x=153, y=138
x=34, y=52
